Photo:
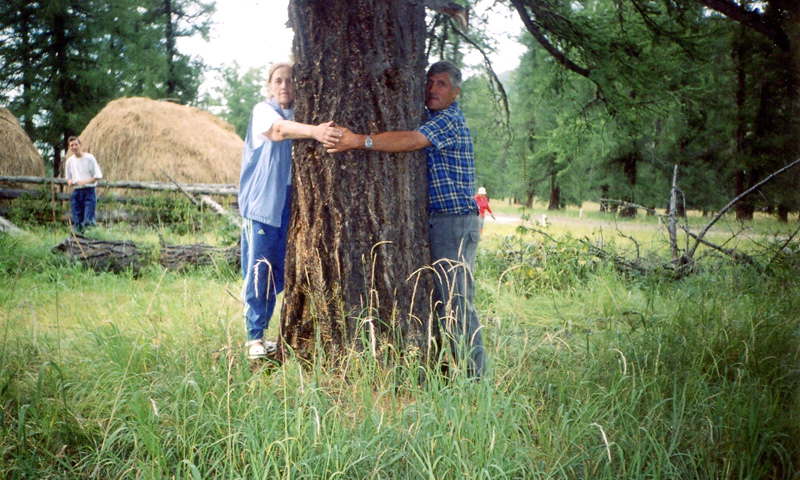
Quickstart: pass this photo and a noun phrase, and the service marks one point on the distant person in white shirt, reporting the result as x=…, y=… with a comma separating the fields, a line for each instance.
x=82, y=173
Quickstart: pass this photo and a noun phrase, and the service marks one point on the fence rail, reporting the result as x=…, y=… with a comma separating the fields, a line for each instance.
x=197, y=188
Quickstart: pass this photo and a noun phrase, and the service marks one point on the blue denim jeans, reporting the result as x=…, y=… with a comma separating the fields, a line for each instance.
x=263, y=262
x=83, y=202
x=454, y=244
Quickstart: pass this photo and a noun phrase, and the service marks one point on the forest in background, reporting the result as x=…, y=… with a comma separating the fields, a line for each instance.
x=607, y=100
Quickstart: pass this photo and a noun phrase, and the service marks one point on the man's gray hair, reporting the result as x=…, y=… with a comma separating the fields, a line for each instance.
x=446, y=67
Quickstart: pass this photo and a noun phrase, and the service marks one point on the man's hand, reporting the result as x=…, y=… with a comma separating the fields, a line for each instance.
x=348, y=141
x=391, y=142
x=327, y=134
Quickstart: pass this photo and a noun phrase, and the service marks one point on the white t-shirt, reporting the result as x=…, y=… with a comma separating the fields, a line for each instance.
x=83, y=168
x=264, y=117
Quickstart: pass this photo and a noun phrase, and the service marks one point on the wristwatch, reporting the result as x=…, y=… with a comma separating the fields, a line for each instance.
x=368, y=142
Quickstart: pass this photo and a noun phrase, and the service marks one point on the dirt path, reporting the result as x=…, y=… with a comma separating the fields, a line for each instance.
x=572, y=221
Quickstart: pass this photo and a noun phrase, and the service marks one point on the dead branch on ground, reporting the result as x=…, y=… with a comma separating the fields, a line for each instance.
x=683, y=262
x=688, y=256
x=117, y=256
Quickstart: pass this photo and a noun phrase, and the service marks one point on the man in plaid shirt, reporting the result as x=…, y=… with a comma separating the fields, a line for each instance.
x=454, y=222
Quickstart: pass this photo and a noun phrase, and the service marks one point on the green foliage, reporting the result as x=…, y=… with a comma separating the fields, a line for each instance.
x=171, y=213
x=493, y=158
x=532, y=262
x=174, y=212
x=238, y=94
x=641, y=89
x=37, y=209
x=64, y=60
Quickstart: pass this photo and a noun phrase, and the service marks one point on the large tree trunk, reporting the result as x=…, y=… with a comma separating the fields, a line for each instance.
x=358, y=235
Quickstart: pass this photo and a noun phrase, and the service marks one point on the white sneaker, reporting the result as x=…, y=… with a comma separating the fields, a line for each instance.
x=260, y=348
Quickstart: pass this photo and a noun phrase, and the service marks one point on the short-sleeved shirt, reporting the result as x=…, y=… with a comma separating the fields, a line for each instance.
x=82, y=168
x=451, y=162
x=266, y=166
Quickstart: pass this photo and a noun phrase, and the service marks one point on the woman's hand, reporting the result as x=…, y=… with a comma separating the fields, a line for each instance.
x=348, y=141
x=327, y=134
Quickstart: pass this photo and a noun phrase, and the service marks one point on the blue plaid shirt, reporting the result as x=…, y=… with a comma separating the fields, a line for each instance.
x=451, y=162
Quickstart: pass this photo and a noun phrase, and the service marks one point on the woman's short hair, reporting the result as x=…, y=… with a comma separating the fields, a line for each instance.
x=275, y=67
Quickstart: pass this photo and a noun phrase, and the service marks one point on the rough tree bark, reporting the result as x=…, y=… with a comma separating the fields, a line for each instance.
x=358, y=236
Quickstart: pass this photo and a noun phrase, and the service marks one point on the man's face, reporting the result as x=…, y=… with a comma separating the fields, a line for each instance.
x=440, y=92
x=75, y=146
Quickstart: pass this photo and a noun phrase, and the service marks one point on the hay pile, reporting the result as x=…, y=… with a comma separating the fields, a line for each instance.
x=132, y=137
x=19, y=157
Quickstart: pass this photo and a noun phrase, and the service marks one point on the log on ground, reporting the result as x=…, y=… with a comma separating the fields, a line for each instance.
x=103, y=255
x=178, y=257
x=116, y=256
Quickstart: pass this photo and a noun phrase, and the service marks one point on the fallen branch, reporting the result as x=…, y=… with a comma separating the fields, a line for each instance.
x=103, y=255
x=739, y=257
x=618, y=260
x=8, y=227
x=117, y=256
x=178, y=257
x=182, y=190
x=233, y=219
x=785, y=244
x=596, y=251
x=687, y=257
x=650, y=211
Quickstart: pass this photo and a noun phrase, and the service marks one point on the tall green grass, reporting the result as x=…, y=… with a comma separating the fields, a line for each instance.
x=594, y=373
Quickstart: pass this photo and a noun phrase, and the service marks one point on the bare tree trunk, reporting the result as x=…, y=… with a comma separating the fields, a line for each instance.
x=629, y=168
x=673, y=221
x=783, y=213
x=61, y=93
x=792, y=28
x=169, y=35
x=555, y=194
x=744, y=210
x=529, y=193
x=358, y=235
x=604, y=189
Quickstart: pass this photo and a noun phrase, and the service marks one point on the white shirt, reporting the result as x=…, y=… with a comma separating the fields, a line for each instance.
x=264, y=117
x=82, y=168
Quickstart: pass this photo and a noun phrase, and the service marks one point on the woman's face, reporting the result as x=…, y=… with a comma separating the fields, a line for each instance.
x=281, y=86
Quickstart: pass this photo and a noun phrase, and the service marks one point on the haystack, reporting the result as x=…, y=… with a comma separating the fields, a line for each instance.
x=19, y=157
x=135, y=138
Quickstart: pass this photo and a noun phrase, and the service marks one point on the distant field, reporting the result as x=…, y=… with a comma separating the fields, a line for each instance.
x=588, y=222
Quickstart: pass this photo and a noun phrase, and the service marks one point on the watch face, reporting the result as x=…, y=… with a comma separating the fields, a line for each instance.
x=368, y=142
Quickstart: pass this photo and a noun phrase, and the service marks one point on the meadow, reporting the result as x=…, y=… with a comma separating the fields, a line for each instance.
x=596, y=371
